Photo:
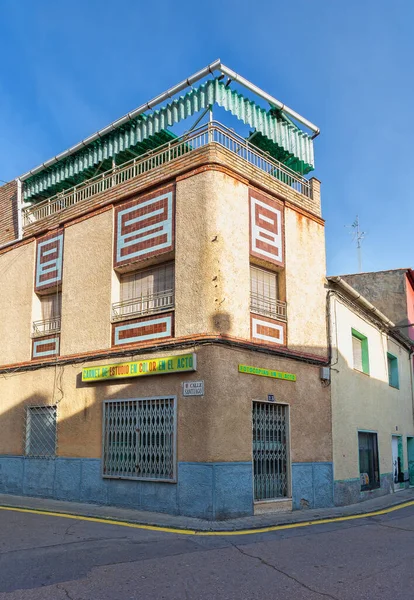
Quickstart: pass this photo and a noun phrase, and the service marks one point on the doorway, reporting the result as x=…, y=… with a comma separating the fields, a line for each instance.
x=410, y=455
x=270, y=450
x=397, y=462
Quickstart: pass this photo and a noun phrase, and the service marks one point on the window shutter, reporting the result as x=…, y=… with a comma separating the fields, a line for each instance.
x=357, y=353
x=263, y=283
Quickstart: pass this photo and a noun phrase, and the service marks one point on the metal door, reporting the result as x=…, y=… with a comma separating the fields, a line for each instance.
x=270, y=450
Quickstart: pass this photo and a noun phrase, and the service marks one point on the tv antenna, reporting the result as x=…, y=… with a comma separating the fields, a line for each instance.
x=357, y=236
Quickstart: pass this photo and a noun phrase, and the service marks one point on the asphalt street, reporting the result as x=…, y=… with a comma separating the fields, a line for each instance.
x=47, y=557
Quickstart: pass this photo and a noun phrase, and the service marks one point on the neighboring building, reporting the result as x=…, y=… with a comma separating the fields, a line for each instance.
x=141, y=253
x=392, y=292
x=372, y=398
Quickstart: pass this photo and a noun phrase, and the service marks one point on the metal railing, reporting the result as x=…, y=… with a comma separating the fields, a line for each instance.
x=46, y=326
x=213, y=132
x=263, y=305
x=143, y=305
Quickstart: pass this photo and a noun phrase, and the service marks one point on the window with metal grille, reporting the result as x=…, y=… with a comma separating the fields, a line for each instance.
x=360, y=352
x=41, y=431
x=146, y=292
x=139, y=438
x=270, y=450
x=264, y=294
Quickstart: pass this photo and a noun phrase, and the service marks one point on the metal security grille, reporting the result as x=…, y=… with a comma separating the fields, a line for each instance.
x=270, y=450
x=139, y=438
x=41, y=431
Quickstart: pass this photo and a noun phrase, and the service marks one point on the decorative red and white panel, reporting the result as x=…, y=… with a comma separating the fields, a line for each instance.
x=266, y=228
x=46, y=347
x=49, y=261
x=144, y=227
x=267, y=331
x=145, y=329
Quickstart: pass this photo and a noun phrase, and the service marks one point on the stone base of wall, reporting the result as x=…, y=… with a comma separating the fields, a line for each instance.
x=312, y=485
x=204, y=490
x=349, y=491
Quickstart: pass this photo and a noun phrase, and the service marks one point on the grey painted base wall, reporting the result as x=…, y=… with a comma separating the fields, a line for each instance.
x=349, y=491
x=312, y=485
x=203, y=490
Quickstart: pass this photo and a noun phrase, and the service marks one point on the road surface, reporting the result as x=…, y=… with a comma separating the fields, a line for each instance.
x=46, y=557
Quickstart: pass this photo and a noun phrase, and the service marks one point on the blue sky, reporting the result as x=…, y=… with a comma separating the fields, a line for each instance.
x=70, y=68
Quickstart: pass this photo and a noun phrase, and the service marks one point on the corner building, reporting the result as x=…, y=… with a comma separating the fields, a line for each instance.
x=165, y=321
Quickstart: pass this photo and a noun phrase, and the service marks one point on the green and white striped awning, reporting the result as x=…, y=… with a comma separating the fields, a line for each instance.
x=150, y=130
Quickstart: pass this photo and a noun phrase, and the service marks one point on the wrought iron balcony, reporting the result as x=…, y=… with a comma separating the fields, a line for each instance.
x=46, y=326
x=143, y=305
x=268, y=307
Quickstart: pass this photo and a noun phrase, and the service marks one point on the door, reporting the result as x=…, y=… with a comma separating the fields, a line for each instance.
x=270, y=450
x=397, y=463
x=410, y=454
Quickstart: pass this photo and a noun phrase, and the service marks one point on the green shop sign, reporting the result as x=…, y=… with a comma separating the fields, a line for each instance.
x=266, y=373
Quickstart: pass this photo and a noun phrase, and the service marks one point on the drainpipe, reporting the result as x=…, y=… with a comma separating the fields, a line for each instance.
x=208, y=70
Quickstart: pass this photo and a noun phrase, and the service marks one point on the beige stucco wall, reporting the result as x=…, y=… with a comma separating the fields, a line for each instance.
x=86, y=288
x=215, y=427
x=212, y=256
x=366, y=402
x=17, y=281
x=305, y=279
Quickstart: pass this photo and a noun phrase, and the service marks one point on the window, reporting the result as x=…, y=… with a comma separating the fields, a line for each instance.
x=50, y=311
x=51, y=306
x=146, y=292
x=393, y=379
x=41, y=431
x=264, y=294
x=360, y=352
x=139, y=439
x=368, y=461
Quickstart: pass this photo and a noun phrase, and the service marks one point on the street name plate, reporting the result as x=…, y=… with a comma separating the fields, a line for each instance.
x=193, y=388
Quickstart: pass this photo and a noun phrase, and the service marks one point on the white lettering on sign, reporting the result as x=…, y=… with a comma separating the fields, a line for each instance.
x=193, y=388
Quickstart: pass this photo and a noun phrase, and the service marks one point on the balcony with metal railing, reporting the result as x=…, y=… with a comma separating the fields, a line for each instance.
x=143, y=305
x=46, y=326
x=211, y=133
x=268, y=307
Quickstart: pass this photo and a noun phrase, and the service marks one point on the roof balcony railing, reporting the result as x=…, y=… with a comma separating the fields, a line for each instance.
x=143, y=305
x=268, y=307
x=211, y=133
x=46, y=326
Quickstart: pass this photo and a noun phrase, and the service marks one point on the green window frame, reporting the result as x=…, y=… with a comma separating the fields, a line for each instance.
x=393, y=378
x=363, y=365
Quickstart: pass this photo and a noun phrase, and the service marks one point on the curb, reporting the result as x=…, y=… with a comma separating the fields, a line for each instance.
x=208, y=532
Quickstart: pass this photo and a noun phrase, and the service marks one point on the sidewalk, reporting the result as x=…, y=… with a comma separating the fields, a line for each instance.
x=189, y=523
